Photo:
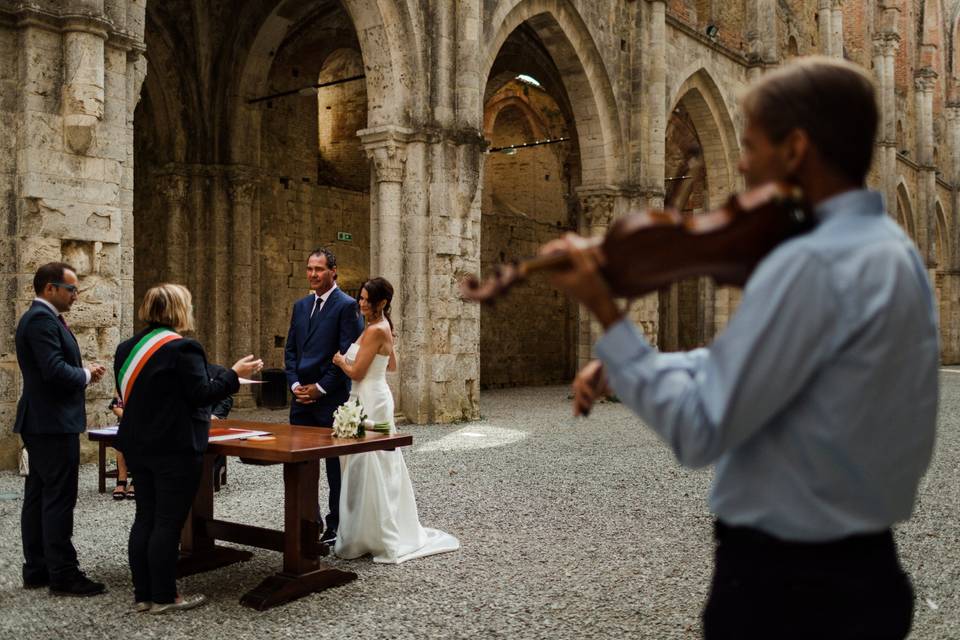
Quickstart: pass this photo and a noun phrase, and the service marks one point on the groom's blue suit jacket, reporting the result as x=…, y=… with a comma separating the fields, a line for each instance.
x=308, y=356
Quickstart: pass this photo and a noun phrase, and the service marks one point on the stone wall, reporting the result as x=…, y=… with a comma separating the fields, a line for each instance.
x=76, y=73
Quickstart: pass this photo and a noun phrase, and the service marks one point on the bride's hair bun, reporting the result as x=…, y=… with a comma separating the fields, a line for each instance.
x=378, y=290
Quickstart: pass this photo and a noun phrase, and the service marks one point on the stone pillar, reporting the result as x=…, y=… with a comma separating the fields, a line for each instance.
x=386, y=147
x=655, y=104
x=836, y=29
x=83, y=82
x=885, y=48
x=242, y=190
x=825, y=26
x=66, y=176
x=597, y=207
x=925, y=81
x=173, y=190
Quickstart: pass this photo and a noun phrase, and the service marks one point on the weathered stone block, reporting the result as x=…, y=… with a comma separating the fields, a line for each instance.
x=9, y=382
x=35, y=251
x=53, y=217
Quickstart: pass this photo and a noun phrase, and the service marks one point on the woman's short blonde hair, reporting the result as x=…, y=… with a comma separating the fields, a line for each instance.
x=170, y=305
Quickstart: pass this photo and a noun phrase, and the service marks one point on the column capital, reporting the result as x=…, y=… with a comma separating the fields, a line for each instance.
x=886, y=44
x=387, y=147
x=925, y=79
x=173, y=187
x=597, y=205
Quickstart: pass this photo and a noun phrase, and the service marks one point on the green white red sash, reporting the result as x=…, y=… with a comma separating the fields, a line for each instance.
x=141, y=353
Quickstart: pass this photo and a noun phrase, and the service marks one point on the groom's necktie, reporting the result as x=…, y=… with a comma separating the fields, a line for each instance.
x=63, y=321
x=315, y=314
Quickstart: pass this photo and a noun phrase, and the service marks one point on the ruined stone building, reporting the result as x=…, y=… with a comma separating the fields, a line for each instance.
x=187, y=141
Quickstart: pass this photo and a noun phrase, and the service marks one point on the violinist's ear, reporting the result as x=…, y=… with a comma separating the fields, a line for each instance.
x=796, y=148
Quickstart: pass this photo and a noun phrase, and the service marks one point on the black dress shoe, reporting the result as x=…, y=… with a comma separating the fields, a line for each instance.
x=79, y=586
x=329, y=537
x=36, y=582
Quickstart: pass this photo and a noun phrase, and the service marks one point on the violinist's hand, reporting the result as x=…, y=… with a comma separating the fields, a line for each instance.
x=589, y=386
x=583, y=281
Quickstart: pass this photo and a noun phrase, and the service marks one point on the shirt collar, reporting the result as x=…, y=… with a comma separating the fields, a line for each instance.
x=49, y=306
x=855, y=201
x=324, y=297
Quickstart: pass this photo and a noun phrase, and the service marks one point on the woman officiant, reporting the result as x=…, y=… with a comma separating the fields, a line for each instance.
x=164, y=383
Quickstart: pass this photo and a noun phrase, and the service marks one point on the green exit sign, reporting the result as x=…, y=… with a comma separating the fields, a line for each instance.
x=343, y=235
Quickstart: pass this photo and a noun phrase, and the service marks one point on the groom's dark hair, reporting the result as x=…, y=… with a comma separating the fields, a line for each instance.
x=326, y=253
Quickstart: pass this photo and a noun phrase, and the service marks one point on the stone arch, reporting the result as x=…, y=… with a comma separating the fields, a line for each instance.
x=537, y=126
x=941, y=244
x=904, y=214
x=381, y=31
x=586, y=81
x=701, y=97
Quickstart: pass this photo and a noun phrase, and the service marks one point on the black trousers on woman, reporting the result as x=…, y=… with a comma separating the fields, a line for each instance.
x=166, y=486
x=764, y=587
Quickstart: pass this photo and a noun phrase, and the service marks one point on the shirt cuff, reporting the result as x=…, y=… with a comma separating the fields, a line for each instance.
x=622, y=345
x=294, y=386
x=321, y=389
x=89, y=375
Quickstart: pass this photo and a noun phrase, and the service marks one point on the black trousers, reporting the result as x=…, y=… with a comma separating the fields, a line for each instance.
x=764, y=587
x=49, y=497
x=311, y=416
x=166, y=486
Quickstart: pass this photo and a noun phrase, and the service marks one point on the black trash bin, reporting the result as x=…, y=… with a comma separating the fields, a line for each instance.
x=273, y=391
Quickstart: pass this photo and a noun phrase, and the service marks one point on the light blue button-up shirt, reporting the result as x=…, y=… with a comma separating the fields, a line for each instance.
x=818, y=402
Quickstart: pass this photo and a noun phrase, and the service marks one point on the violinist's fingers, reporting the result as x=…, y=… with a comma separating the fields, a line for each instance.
x=554, y=246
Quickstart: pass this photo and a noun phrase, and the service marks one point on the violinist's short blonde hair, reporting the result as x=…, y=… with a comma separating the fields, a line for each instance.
x=170, y=305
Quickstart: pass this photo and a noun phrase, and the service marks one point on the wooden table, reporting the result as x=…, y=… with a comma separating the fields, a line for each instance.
x=299, y=450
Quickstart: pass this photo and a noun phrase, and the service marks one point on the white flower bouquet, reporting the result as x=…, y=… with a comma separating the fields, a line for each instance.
x=349, y=421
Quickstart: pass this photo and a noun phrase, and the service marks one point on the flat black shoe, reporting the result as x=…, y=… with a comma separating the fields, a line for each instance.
x=36, y=583
x=79, y=586
x=329, y=537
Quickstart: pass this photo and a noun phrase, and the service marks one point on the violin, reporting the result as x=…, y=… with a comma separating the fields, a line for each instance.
x=646, y=251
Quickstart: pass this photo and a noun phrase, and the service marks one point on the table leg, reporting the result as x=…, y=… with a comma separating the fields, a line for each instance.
x=102, y=467
x=302, y=571
x=198, y=551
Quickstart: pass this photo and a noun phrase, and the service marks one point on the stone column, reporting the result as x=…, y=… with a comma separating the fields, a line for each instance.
x=655, y=104
x=83, y=82
x=836, y=29
x=242, y=189
x=173, y=190
x=925, y=81
x=597, y=207
x=884, y=51
x=953, y=137
x=386, y=147
x=825, y=25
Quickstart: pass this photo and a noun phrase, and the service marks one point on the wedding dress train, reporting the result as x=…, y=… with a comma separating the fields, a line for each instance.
x=378, y=511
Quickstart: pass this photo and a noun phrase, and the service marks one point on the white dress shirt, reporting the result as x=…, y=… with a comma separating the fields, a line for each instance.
x=318, y=302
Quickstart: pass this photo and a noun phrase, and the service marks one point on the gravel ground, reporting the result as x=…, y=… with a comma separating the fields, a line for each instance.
x=570, y=529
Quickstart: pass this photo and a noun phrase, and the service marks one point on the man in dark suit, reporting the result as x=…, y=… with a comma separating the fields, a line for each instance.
x=51, y=415
x=323, y=323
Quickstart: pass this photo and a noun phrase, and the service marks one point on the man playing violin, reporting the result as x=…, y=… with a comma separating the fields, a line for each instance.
x=818, y=401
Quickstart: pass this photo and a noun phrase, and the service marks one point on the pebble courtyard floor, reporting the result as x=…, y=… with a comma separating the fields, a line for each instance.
x=570, y=529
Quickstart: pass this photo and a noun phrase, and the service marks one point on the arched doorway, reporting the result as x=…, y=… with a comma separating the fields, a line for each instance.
x=700, y=155
x=527, y=200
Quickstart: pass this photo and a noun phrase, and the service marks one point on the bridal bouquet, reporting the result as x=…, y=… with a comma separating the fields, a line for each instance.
x=349, y=421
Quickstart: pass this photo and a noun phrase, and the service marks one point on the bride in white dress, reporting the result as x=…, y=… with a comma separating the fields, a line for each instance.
x=378, y=511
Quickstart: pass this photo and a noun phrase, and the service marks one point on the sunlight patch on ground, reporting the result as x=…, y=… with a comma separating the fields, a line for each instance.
x=474, y=437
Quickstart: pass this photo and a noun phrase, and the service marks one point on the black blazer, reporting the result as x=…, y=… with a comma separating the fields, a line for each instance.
x=168, y=410
x=53, y=376
x=308, y=355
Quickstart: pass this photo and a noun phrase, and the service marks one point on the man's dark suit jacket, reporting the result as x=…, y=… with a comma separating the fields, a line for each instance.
x=308, y=356
x=168, y=410
x=53, y=376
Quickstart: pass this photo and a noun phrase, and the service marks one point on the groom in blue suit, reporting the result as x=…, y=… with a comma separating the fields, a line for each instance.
x=324, y=323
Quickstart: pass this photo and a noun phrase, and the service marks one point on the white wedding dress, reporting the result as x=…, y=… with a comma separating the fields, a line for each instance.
x=378, y=512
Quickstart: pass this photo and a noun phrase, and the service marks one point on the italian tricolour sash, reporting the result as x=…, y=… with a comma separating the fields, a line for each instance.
x=141, y=353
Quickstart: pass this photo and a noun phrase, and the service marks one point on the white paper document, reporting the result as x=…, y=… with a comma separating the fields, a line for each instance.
x=249, y=381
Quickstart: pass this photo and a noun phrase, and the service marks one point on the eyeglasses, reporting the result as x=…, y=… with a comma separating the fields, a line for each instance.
x=72, y=288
